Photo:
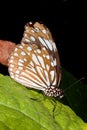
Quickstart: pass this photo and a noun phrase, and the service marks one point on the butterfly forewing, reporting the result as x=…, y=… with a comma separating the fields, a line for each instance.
x=39, y=34
x=35, y=62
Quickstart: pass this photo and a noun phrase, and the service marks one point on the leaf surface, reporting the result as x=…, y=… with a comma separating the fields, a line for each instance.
x=27, y=109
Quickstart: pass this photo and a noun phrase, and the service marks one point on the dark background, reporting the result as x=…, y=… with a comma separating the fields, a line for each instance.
x=66, y=19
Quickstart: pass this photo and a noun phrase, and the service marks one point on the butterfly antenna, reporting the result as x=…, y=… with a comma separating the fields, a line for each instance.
x=77, y=81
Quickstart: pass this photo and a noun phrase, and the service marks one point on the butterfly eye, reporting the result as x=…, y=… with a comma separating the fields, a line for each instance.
x=36, y=65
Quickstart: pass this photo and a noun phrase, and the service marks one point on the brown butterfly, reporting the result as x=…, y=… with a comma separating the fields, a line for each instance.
x=35, y=62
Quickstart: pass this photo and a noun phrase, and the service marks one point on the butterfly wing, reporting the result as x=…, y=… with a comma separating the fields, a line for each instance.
x=40, y=35
x=35, y=62
x=32, y=67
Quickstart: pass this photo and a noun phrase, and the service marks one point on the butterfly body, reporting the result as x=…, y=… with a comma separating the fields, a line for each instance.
x=35, y=62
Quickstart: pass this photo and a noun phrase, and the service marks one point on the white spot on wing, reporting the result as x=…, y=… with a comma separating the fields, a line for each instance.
x=41, y=61
x=44, y=55
x=16, y=49
x=31, y=63
x=37, y=29
x=10, y=61
x=17, y=71
x=28, y=53
x=42, y=41
x=23, y=44
x=54, y=45
x=11, y=57
x=16, y=78
x=25, y=35
x=44, y=48
x=10, y=69
x=34, y=58
x=20, y=64
x=44, y=31
x=40, y=71
x=48, y=67
x=47, y=78
x=32, y=31
x=54, y=62
x=15, y=54
x=48, y=44
x=20, y=68
x=32, y=38
x=29, y=48
x=23, y=53
x=38, y=51
x=55, y=81
x=21, y=47
x=25, y=59
x=16, y=75
x=22, y=61
x=12, y=75
x=35, y=51
x=47, y=56
x=11, y=65
x=26, y=40
x=52, y=74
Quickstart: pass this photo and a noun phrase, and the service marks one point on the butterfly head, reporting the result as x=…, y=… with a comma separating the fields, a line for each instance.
x=54, y=92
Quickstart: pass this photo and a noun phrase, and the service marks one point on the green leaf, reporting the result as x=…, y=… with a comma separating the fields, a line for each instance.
x=26, y=109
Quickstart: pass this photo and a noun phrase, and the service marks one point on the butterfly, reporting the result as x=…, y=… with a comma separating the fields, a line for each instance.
x=35, y=62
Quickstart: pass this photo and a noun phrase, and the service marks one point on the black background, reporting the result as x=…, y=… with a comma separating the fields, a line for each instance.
x=66, y=19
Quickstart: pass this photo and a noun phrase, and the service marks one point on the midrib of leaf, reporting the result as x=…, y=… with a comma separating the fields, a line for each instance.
x=2, y=124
